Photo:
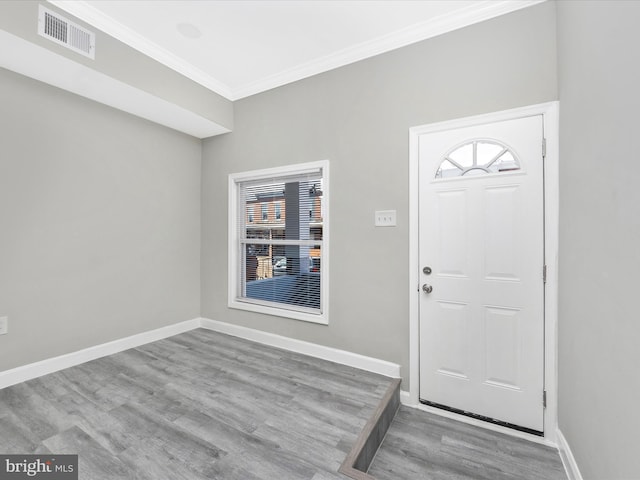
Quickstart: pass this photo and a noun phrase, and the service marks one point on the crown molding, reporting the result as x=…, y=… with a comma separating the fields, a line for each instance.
x=89, y=14
x=463, y=17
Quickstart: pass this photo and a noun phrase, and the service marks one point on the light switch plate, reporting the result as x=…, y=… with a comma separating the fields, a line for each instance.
x=385, y=218
x=4, y=325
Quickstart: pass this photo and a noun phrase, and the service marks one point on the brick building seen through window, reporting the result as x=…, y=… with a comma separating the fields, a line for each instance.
x=266, y=218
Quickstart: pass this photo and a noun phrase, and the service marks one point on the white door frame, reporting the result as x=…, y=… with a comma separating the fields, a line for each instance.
x=549, y=111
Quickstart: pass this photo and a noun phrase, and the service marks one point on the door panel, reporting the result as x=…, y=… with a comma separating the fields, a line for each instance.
x=502, y=347
x=452, y=231
x=452, y=323
x=481, y=232
x=501, y=241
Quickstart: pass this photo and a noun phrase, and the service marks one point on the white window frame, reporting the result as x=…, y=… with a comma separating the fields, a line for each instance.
x=234, y=298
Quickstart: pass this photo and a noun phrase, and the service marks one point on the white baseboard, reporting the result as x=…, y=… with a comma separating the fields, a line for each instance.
x=568, y=460
x=343, y=357
x=50, y=365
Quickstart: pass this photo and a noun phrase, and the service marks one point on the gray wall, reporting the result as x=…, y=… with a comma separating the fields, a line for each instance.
x=599, y=352
x=358, y=117
x=99, y=223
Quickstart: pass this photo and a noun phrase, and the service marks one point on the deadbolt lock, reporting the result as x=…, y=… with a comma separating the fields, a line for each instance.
x=426, y=270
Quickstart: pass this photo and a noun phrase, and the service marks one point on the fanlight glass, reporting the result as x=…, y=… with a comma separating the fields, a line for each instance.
x=478, y=157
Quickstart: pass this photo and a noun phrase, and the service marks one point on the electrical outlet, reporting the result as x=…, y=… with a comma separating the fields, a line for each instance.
x=385, y=218
x=4, y=325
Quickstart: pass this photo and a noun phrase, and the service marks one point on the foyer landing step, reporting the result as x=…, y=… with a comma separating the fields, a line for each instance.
x=364, y=450
x=422, y=445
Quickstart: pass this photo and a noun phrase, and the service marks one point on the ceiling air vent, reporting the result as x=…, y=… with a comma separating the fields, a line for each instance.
x=58, y=29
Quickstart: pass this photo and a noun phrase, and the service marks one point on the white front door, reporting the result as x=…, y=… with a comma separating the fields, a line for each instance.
x=481, y=271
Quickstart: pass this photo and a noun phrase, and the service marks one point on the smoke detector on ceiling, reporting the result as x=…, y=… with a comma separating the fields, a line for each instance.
x=64, y=32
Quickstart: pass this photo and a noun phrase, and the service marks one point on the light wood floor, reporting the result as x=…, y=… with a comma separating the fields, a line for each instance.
x=200, y=405
x=420, y=445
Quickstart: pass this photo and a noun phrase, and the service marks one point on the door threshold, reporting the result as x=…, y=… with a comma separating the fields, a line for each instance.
x=482, y=418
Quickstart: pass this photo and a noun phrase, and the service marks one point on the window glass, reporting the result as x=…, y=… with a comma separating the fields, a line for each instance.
x=478, y=157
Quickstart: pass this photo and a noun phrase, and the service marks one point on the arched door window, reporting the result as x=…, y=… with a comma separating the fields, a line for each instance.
x=478, y=157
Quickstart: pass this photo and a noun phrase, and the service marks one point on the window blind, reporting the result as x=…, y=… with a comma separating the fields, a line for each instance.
x=280, y=241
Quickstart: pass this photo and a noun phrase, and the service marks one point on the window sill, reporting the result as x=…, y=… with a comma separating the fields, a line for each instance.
x=321, y=319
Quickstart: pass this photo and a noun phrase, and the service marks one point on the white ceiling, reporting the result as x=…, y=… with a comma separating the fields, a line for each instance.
x=239, y=48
